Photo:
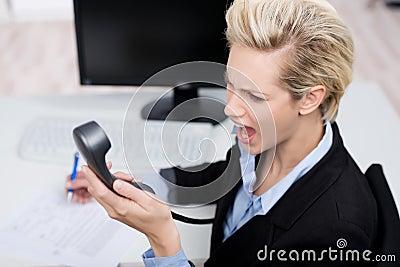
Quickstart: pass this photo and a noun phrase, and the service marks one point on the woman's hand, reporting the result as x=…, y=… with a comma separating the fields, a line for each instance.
x=137, y=209
x=80, y=184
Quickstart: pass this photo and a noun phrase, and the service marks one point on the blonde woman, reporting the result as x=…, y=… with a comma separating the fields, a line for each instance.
x=297, y=57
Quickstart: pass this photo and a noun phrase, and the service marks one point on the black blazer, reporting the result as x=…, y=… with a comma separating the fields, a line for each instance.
x=331, y=202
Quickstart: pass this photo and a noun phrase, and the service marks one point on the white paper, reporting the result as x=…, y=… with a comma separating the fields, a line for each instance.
x=50, y=229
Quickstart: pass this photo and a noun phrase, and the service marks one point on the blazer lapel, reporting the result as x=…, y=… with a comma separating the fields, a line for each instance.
x=220, y=214
x=302, y=194
x=243, y=247
x=226, y=201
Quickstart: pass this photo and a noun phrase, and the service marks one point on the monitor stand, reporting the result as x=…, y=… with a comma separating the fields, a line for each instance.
x=186, y=105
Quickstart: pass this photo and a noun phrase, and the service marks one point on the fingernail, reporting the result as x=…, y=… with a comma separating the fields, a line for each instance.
x=118, y=184
x=68, y=184
x=84, y=169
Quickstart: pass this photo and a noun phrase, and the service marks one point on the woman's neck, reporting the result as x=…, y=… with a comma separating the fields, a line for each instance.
x=288, y=154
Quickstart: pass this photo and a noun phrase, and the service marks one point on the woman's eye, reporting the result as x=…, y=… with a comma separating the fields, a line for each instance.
x=255, y=98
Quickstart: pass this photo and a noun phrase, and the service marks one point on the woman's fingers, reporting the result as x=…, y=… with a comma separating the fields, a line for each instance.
x=79, y=186
x=76, y=184
x=123, y=176
x=109, y=164
x=81, y=196
x=117, y=207
x=129, y=191
x=98, y=190
x=79, y=175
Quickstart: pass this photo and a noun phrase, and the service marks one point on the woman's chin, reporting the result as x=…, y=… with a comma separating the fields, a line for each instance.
x=252, y=148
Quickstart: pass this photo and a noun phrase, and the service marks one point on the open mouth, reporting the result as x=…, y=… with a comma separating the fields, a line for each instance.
x=245, y=134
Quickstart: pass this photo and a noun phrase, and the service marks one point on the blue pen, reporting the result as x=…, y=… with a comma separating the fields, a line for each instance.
x=73, y=175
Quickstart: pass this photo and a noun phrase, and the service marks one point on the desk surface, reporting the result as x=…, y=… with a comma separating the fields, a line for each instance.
x=369, y=125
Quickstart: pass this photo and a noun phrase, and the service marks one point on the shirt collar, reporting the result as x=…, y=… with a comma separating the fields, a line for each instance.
x=247, y=164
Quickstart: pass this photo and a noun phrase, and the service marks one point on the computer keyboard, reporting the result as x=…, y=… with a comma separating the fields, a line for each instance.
x=50, y=140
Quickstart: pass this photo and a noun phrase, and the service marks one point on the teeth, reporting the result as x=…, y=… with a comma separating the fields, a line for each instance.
x=244, y=133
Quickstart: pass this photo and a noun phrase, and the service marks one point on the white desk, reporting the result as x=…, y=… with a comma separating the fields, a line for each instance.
x=369, y=125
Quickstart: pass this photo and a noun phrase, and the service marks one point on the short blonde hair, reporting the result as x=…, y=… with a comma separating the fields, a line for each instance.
x=318, y=46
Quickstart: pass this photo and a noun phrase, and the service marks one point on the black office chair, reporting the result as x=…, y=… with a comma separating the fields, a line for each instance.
x=388, y=236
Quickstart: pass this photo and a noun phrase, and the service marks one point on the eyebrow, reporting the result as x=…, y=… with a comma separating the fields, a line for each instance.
x=227, y=81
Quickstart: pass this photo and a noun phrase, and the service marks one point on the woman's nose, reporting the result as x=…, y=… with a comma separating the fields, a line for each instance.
x=234, y=108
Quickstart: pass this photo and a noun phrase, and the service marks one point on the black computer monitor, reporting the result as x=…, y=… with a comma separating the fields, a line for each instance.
x=125, y=42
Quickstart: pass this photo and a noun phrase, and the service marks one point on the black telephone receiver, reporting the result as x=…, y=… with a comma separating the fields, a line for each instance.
x=93, y=144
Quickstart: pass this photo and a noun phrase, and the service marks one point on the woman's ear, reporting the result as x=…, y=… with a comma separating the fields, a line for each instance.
x=312, y=100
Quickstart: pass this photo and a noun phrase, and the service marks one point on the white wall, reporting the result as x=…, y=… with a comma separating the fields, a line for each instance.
x=3, y=11
x=26, y=10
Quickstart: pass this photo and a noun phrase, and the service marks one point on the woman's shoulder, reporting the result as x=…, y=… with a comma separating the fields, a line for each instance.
x=354, y=200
